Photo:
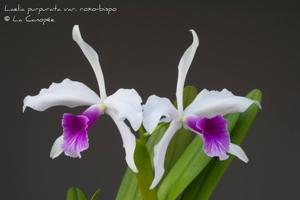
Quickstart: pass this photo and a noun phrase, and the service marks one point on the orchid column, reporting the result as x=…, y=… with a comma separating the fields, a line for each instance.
x=123, y=104
x=204, y=116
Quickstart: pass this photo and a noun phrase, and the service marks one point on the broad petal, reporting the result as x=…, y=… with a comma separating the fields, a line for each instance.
x=160, y=151
x=126, y=103
x=67, y=93
x=183, y=67
x=75, y=130
x=128, y=140
x=156, y=108
x=92, y=57
x=57, y=149
x=238, y=152
x=211, y=103
x=75, y=134
x=216, y=139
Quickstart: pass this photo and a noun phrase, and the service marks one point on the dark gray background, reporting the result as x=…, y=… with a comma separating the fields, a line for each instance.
x=242, y=46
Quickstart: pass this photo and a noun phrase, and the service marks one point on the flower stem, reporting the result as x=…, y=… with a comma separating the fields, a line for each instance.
x=143, y=135
x=145, y=174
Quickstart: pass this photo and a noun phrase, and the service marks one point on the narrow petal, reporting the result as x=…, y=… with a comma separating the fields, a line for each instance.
x=160, y=151
x=57, y=149
x=128, y=139
x=126, y=103
x=92, y=57
x=75, y=130
x=156, y=108
x=183, y=67
x=211, y=103
x=214, y=132
x=67, y=93
x=238, y=152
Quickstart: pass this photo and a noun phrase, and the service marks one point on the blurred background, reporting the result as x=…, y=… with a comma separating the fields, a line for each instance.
x=242, y=46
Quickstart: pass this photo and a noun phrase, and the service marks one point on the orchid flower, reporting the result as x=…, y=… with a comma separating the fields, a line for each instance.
x=204, y=116
x=123, y=104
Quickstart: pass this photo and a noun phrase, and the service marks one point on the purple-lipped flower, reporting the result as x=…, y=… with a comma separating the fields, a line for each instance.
x=123, y=104
x=204, y=116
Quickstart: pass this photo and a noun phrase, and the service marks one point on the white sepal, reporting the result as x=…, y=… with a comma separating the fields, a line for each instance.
x=210, y=103
x=156, y=108
x=67, y=93
x=238, y=152
x=160, y=151
x=92, y=57
x=183, y=67
x=57, y=149
x=126, y=103
x=128, y=139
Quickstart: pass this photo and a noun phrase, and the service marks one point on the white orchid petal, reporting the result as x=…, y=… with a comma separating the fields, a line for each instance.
x=127, y=104
x=211, y=103
x=160, y=151
x=183, y=67
x=238, y=152
x=92, y=57
x=156, y=108
x=67, y=93
x=57, y=149
x=128, y=139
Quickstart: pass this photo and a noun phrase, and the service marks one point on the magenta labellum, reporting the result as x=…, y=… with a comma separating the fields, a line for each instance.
x=214, y=133
x=75, y=130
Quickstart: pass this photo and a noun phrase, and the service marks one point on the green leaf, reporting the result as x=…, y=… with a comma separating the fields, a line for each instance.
x=189, y=94
x=96, y=195
x=128, y=187
x=203, y=186
x=75, y=194
x=178, y=144
x=192, y=191
x=188, y=166
x=145, y=175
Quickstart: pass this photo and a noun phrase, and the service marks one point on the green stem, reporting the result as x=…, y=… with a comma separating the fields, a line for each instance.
x=145, y=174
x=143, y=135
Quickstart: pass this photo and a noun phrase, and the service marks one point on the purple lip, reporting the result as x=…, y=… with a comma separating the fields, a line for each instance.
x=214, y=133
x=75, y=130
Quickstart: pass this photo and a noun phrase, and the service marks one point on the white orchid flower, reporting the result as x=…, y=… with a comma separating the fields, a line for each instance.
x=123, y=104
x=203, y=116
